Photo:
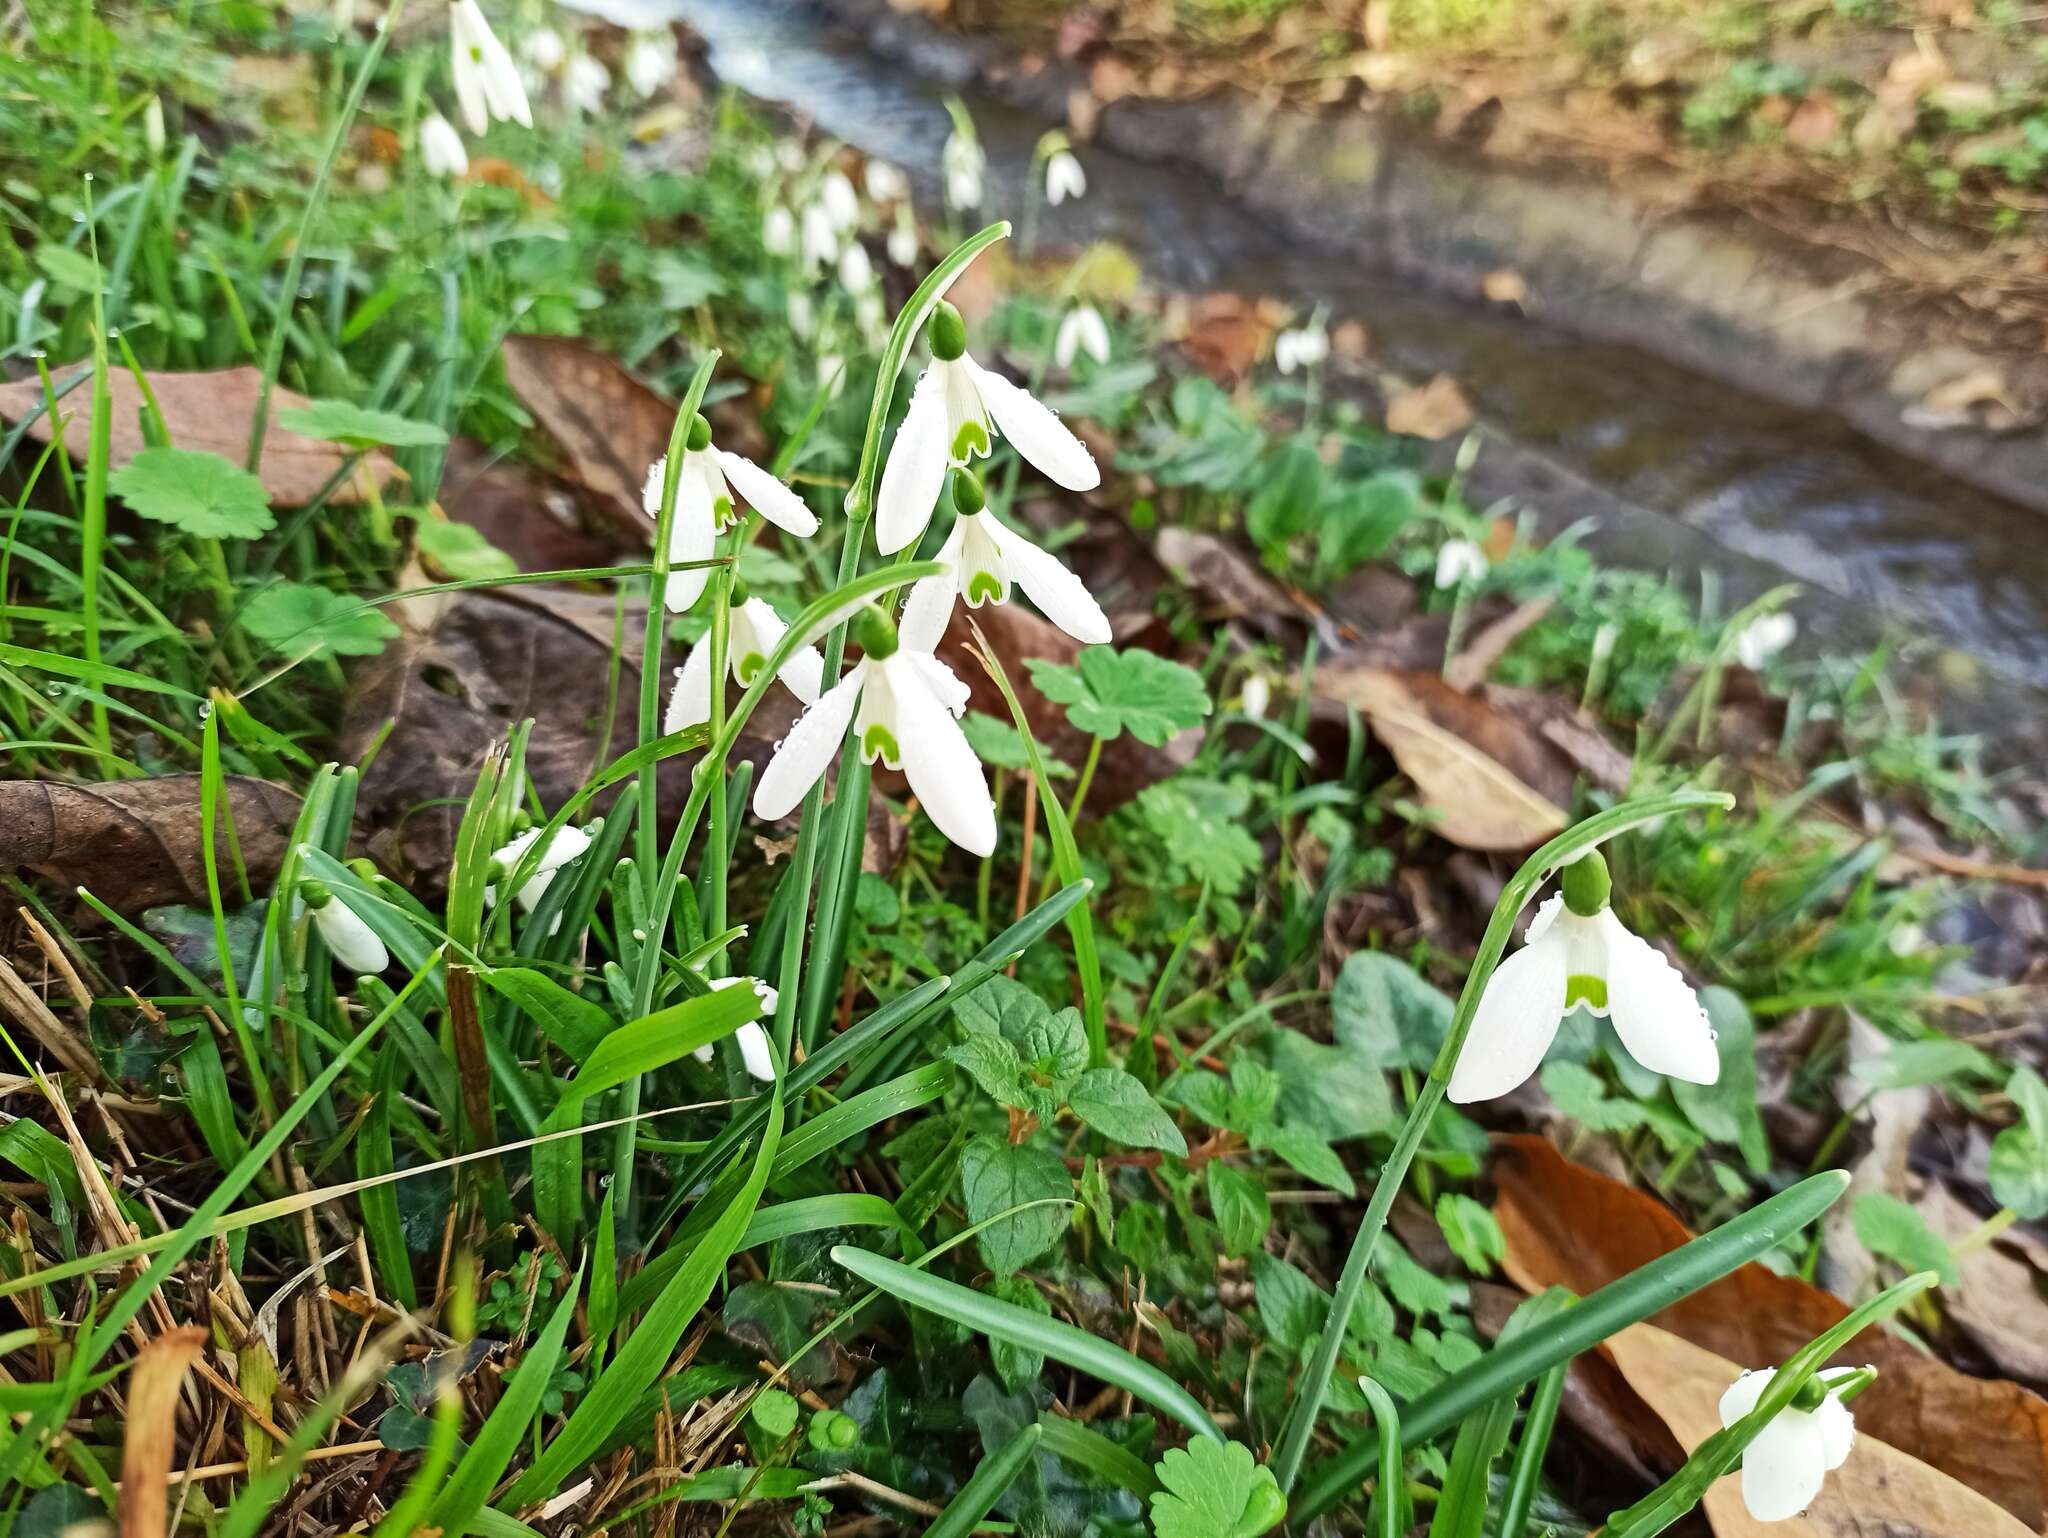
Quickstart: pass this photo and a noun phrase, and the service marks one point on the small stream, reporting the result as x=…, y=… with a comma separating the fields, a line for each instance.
x=1682, y=474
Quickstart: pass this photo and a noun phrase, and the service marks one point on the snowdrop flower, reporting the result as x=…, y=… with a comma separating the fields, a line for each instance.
x=704, y=506
x=790, y=156
x=441, y=150
x=755, y=631
x=885, y=183
x=544, y=49
x=1577, y=952
x=820, y=238
x=750, y=1038
x=350, y=941
x=1081, y=331
x=566, y=845
x=1303, y=347
x=840, y=202
x=778, y=232
x=1064, y=177
x=832, y=373
x=584, y=83
x=1763, y=638
x=650, y=61
x=903, y=244
x=856, y=272
x=1782, y=1470
x=963, y=166
x=487, y=82
x=1458, y=562
x=153, y=124
x=955, y=412
x=909, y=707
x=870, y=317
x=803, y=317
x=982, y=559
x=1257, y=697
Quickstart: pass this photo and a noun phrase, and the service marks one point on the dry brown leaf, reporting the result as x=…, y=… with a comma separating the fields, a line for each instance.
x=1997, y=1298
x=1225, y=334
x=1505, y=286
x=610, y=427
x=1435, y=410
x=1468, y=760
x=1468, y=670
x=153, y=1384
x=136, y=843
x=1813, y=124
x=1217, y=571
x=1567, y=1226
x=1880, y=1490
x=201, y=411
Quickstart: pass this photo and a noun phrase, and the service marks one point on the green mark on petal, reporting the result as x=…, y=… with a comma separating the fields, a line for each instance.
x=722, y=511
x=1584, y=988
x=877, y=742
x=984, y=587
x=747, y=667
x=971, y=439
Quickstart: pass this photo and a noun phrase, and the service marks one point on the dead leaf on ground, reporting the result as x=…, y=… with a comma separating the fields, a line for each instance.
x=1471, y=765
x=1567, y=1226
x=136, y=843
x=1228, y=581
x=1813, y=124
x=610, y=427
x=526, y=513
x=1435, y=410
x=1880, y=1489
x=1980, y=397
x=1468, y=670
x=209, y=410
x=153, y=1386
x=1997, y=1299
x=1223, y=335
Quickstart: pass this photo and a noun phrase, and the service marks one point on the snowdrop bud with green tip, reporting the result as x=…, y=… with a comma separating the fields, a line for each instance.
x=704, y=506
x=1784, y=1468
x=956, y=411
x=441, y=150
x=983, y=558
x=350, y=941
x=1578, y=952
x=1064, y=177
x=752, y=1041
x=565, y=846
x=1081, y=331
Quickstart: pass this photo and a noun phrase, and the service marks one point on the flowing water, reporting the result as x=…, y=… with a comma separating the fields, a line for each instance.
x=1680, y=473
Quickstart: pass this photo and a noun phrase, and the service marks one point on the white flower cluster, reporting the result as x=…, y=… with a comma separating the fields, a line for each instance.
x=814, y=221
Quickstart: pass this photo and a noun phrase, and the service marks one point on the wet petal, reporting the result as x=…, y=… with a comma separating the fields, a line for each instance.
x=940, y=766
x=1654, y=1009
x=1516, y=1021
x=753, y=1044
x=689, y=703
x=1035, y=432
x=1837, y=1430
x=930, y=603
x=350, y=941
x=1783, y=1468
x=916, y=470
x=942, y=681
x=1062, y=597
x=768, y=496
x=1740, y=1397
x=804, y=673
x=692, y=536
x=803, y=754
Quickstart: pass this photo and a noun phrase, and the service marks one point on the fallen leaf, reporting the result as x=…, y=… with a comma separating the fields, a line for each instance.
x=1111, y=79
x=1879, y=1490
x=1813, y=124
x=526, y=513
x=1964, y=98
x=610, y=427
x=1997, y=1299
x=1918, y=67
x=210, y=410
x=153, y=1385
x=135, y=843
x=1961, y=401
x=1468, y=670
x=1568, y=1226
x=1225, y=334
x=1470, y=763
x=1435, y=410
x=1218, y=572
x=495, y=172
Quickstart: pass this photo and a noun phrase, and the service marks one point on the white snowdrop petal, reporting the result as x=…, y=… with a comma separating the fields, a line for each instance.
x=916, y=470
x=1783, y=1468
x=689, y=703
x=1741, y=1396
x=754, y=1051
x=1035, y=432
x=441, y=150
x=805, y=752
x=1517, y=1019
x=1837, y=1430
x=940, y=766
x=930, y=604
x=1546, y=915
x=1654, y=1009
x=350, y=941
x=1063, y=597
x=943, y=682
x=768, y=496
x=692, y=536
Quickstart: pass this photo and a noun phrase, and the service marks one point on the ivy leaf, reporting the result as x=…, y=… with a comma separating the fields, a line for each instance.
x=358, y=427
x=194, y=490
x=1000, y=745
x=1108, y=693
x=996, y=1176
x=1387, y=1013
x=1120, y=1108
x=1291, y=1307
x=461, y=551
x=1290, y=486
x=1214, y=1490
x=298, y=619
x=1361, y=520
x=1201, y=824
x=1330, y=1089
x=1238, y=1203
x=1471, y=1232
x=1893, y=1229
x=1582, y=1096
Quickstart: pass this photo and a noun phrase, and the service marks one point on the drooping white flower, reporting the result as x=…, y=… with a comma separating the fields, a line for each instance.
x=487, y=82
x=871, y=317
x=567, y=844
x=584, y=82
x=350, y=941
x=1763, y=638
x=963, y=166
x=1081, y=331
x=778, y=231
x=789, y=155
x=856, y=272
x=803, y=317
x=820, y=238
x=153, y=124
x=1578, y=952
x=982, y=559
x=544, y=49
x=755, y=631
x=1257, y=697
x=441, y=150
x=1460, y=561
x=650, y=61
x=1302, y=347
x=750, y=1038
x=903, y=242
x=955, y=412
x=1064, y=177
x=909, y=706
x=1783, y=1469
x=885, y=183
x=840, y=202
x=704, y=505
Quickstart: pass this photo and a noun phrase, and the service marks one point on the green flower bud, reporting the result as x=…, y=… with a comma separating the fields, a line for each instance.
x=967, y=492
x=740, y=593
x=700, y=434
x=947, y=333
x=315, y=894
x=875, y=632
x=1587, y=884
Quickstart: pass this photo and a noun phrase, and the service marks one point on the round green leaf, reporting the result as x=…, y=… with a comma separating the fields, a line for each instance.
x=194, y=490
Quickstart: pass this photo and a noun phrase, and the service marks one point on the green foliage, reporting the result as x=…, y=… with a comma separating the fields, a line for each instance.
x=1110, y=692
x=1214, y=1490
x=2019, y=1154
x=194, y=491
x=461, y=551
x=996, y=1177
x=297, y=619
x=1893, y=1229
x=358, y=427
